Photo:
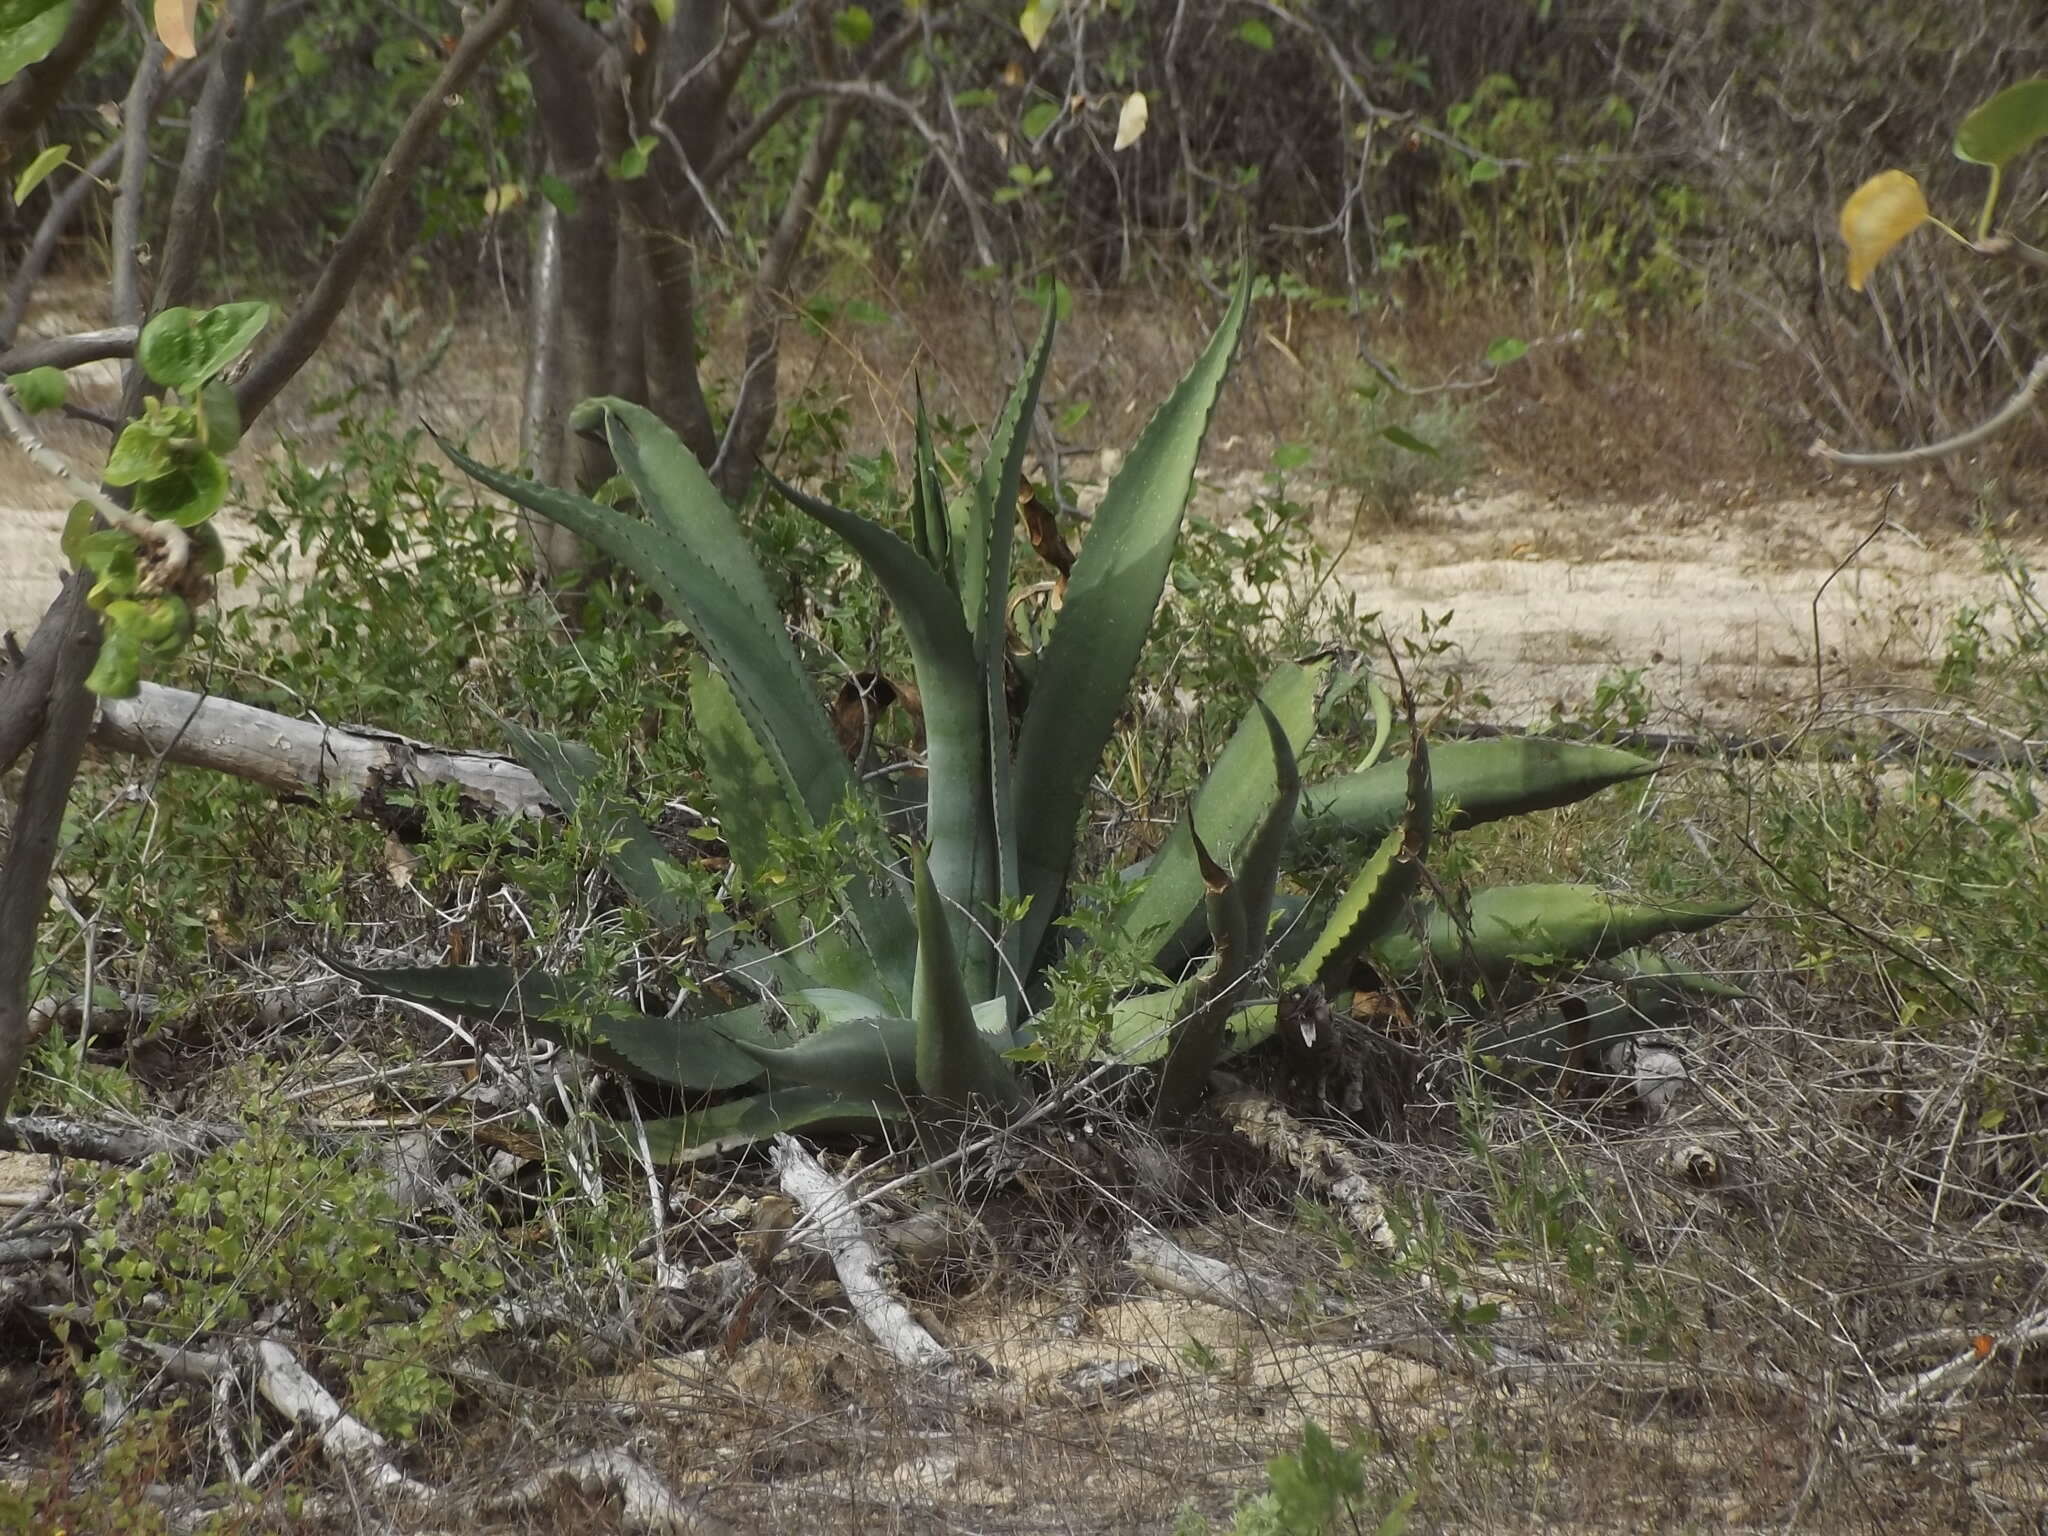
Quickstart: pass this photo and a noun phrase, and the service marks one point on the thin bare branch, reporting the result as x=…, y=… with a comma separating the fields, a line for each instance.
x=308, y=328
x=70, y=351
x=136, y=115
x=38, y=819
x=171, y=545
x=2020, y=403
x=56, y=220
x=206, y=149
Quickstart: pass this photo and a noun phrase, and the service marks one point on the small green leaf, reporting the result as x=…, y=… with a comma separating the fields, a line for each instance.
x=561, y=194
x=1257, y=34
x=142, y=450
x=190, y=492
x=1038, y=117
x=220, y=418
x=968, y=100
x=664, y=11
x=182, y=348
x=39, y=389
x=118, y=672
x=76, y=526
x=2006, y=126
x=852, y=26
x=1509, y=349
x=1290, y=456
x=1484, y=171
x=29, y=29
x=634, y=162
x=38, y=170
x=1401, y=437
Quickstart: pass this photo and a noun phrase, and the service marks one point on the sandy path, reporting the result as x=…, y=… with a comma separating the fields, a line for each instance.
x=1715, y=605
x=1712, y=597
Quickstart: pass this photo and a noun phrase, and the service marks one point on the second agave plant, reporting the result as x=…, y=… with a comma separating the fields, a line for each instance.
x=920, y=1000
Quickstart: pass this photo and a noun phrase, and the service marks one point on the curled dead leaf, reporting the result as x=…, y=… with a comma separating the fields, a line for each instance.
x=177, y=24
x=1131, y=121
x=1877, y=216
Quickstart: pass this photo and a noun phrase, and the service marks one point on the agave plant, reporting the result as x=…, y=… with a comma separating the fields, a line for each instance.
x=922, y=1000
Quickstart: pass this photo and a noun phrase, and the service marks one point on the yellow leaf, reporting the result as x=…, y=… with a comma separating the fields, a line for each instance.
x=1878, y=215
x=1130, y=123
x=177, y=25
x=503, y=199
x=1036, y=20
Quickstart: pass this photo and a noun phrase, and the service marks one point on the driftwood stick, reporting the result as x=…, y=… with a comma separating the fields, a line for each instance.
x=1159, y=1260
x=862, y=1272
x=290, y=1388
x=647, y=1504
x=95, y=1142
x=70, y=351
x=305, y=757
x=1322, y=1162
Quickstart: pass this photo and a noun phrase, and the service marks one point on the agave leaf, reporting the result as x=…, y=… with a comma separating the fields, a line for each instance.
x=1382, y=724
x=871, y=1058
x=984, y=554
x=757, y=808
x=674, y=1051
x=1141, y=1027
x=1532, y=925
x=955, y=1062
x=930, y=528
x=1646, y=973
x=1234, y=800
x=1084, y=672
x=694, y=555
x=567, y=770
x=1198, y=1039
x=1380, y=892
x=1258, y=873
x=990, y=515
x=959, y=820
x=1484, y=780
x=1602, y=1018
x=742, y=1122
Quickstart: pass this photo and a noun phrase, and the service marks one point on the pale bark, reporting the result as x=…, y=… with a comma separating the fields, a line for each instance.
x=862, y=1273
x=304, y=757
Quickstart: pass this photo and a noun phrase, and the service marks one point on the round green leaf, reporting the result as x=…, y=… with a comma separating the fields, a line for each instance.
x=39, y=389
x=853, y=26
x=220, y=419
x=2007, y=125
x=1509, y=349
x=118, y=672
x=182, y=348
x=29, y=29
x=190, y=493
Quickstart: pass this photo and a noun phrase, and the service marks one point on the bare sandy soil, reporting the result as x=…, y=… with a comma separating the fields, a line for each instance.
x=1542, y=598
x=1711, y=594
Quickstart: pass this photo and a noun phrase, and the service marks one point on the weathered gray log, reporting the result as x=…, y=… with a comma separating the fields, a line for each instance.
x=305, y=757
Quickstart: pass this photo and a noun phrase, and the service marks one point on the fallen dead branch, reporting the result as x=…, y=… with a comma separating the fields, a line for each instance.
x=647, y=1504
x=1322, y=1162
x=1158, y=1260
x=288, y=1387
x=304, y=757
x=860, y=1266
x=94, y=1142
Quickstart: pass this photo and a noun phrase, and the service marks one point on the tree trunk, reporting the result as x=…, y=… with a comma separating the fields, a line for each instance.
x=544, y=413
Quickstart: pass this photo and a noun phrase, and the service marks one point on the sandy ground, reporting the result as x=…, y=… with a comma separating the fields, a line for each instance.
x=1713, y=596
x=1718, y=607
